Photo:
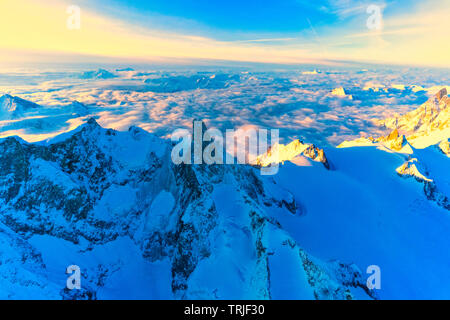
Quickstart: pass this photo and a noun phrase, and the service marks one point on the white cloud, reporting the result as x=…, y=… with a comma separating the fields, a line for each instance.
x=297, y=104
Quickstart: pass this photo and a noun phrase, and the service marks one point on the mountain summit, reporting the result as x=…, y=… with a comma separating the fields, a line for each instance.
x=279, y=153
x=441, y=94
x=429, y=124
x=14, y=107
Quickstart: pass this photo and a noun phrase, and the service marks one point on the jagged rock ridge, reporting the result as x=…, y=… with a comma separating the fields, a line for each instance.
x=280, y=153
x=99, y=188
x=429, y=122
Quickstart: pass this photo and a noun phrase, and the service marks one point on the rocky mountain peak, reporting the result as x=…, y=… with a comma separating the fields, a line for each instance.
x=444, y=146
x=280, y=153
x=441, y=93
x=15, y=106
x=393, y=135
x=426, y=125
x=92, y=122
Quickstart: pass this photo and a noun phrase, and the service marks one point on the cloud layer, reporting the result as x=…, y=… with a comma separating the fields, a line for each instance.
x=301, y=105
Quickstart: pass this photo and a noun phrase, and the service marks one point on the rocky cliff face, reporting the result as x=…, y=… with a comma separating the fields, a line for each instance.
x=432, y=115
x=113, y=203
x=280, y=153
x=429, y=122
x=444, y=147
x=427, y=125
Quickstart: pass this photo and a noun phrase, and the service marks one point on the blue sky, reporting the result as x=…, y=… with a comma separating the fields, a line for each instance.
x=235, y=15
x=282, y=31
x=250, y=16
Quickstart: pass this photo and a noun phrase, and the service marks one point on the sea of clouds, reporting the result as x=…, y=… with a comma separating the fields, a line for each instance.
x=299, y=102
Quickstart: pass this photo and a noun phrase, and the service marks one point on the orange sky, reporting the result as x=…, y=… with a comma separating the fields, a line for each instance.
x=33, y=26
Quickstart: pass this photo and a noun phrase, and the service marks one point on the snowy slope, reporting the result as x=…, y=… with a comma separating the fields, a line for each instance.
x=402, y=197
x=365, y=212
x=140, y=227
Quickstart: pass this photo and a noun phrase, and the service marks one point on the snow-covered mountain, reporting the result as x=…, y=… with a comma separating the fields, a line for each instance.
x=393, y=142
x=444, y=146
x=293, y=151
x=35, y=122
x=424, y=129
x=429, y=124
x=340, y=92
x=139, y=226
x=98, y=74
x=76, y=108
x=15, y=107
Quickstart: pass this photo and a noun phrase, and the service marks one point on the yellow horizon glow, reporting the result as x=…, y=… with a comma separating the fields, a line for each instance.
x=30, y=26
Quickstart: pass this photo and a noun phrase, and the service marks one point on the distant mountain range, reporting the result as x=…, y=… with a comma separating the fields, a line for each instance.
x=15, y=108
x=98, y=74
